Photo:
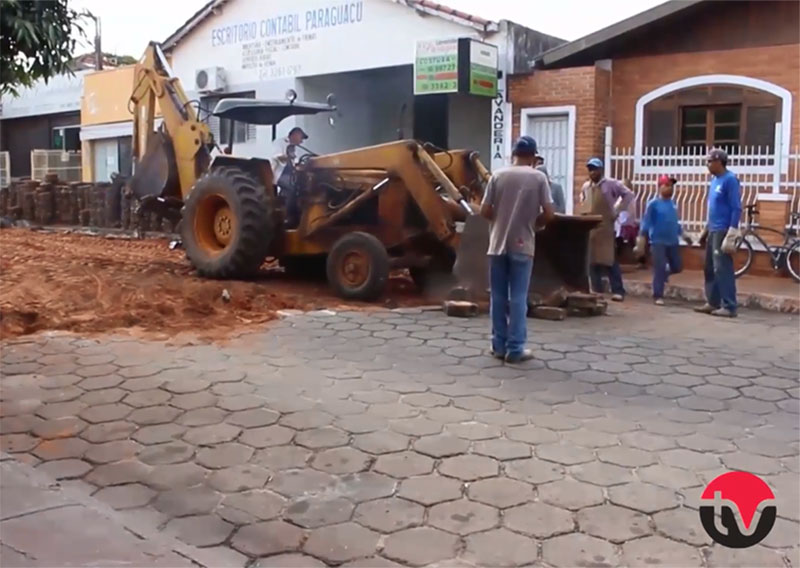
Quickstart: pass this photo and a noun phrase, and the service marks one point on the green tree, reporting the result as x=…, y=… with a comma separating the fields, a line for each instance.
x=37, y=39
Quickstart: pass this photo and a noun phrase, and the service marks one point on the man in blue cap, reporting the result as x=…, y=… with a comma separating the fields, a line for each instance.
x=516, y=202
x=607, y=198
x=721, y=236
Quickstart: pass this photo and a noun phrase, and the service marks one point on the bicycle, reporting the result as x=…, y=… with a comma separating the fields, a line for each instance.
x=785, y=255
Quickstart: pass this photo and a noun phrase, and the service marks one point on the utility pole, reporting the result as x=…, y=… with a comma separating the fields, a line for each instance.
x=98, y=50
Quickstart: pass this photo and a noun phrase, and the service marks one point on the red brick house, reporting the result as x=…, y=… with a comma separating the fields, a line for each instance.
x=650, y=94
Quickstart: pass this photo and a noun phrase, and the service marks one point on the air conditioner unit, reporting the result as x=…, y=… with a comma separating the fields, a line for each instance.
x=210, y=80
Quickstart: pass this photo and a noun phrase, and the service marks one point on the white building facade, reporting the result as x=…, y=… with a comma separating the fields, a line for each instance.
x=364, y=52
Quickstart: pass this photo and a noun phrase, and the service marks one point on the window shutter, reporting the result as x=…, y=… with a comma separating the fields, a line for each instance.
x=760, y=126
x=250, y=135
x=660, y=126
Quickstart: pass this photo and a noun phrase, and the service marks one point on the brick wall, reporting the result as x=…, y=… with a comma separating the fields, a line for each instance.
x=634, y=77
x=559, y=87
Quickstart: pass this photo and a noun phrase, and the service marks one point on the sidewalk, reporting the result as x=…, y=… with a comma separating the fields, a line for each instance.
x=767, y=293
x=44, y=524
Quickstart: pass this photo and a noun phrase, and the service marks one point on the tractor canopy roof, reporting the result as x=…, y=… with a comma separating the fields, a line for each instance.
x=254, y=111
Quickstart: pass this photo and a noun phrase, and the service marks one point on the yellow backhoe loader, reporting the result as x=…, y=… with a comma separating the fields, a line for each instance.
x=362, y=212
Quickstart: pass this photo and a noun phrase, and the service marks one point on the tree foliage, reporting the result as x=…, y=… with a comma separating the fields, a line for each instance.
x=37, y=40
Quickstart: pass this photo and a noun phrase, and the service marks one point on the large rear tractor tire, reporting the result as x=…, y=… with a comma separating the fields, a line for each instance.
x=227, y=224
x=358, y=267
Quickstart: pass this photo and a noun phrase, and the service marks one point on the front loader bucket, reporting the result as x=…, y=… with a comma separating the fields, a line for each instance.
x=156, y=174
x=561, y=259
x=562, y=255
x=471, y=268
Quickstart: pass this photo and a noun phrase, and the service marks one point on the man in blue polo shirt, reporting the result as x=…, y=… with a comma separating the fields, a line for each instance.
x=721, y=236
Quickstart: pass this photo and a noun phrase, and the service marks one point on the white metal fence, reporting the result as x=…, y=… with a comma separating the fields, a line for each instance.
x=5, y=169
x=760, y=171
x=67, y=165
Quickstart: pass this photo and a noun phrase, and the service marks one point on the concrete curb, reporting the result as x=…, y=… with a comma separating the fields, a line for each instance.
x=768, y=302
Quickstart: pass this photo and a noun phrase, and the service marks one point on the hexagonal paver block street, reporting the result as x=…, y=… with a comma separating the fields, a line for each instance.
x=378, y=437
x=420, y=546
x=463, y=517
x=340, y=543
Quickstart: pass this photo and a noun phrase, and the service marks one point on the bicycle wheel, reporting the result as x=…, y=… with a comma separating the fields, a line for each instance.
x=793, y=260
x=742, y=258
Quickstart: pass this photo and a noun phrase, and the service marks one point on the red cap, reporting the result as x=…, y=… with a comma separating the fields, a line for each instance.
x=666, y=180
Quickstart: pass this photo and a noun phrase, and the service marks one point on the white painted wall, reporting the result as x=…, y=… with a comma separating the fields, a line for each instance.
x=378, y=40
x=352, y=126
x=381, y=34
x=368, y=105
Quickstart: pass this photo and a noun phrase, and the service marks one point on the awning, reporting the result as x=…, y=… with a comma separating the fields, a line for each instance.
x=110, y=130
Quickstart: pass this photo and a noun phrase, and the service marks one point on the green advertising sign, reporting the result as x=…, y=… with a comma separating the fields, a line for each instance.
x=461, y=65
x=436, y=67
x=482, y=69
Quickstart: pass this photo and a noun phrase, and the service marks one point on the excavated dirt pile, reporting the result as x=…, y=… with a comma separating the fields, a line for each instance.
x=59, y=281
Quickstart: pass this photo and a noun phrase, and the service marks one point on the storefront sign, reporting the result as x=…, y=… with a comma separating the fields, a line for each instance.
x=461, y=65
x=273, y=46
x=498, y=130
x=482, y=69
x=436, y=67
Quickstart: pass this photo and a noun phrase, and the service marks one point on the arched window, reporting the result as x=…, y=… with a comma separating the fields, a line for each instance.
x=720, y=115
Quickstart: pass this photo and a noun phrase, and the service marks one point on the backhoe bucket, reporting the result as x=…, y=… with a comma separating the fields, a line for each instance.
x=561, y=260
x=471, y=268
x=156, y=174
x=562, y=255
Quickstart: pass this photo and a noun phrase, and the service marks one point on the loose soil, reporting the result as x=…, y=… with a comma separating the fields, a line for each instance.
x=88, y=284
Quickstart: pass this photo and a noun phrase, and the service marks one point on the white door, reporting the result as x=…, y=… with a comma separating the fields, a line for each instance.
x=555, y=140
x=106, y=159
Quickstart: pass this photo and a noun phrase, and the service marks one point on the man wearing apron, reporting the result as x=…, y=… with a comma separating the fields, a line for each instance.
x=605, y=197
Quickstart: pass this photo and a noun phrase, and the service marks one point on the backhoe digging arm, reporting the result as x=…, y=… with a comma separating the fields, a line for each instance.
x=154, y=83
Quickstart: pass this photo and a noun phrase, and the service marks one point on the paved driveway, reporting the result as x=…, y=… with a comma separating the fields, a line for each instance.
x=386, y=438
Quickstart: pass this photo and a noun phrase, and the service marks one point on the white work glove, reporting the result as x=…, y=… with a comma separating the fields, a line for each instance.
x=640, y=246
x=732, y=241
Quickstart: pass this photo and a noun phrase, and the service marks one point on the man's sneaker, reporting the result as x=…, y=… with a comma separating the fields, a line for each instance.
x=497, y=355
x=618, y=298
x=659, y=302
x=705, y=309
x=723, y=313
x=525, y=355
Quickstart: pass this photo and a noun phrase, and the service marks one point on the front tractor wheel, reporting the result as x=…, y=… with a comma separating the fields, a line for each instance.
x=358, y=267
x=227, y=224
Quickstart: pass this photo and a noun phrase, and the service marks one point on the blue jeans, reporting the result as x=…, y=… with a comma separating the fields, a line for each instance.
x=719, y=277
x=614, y=273
x=510, y=277
x=664, y=255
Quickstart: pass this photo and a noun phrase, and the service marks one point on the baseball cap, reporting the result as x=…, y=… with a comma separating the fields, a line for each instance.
x=666, y=180
x=300, y=130
x=717, y=154
x=525, y=145
x=595, y=163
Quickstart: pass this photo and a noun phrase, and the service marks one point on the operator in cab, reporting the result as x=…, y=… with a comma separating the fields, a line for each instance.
x=283, y=160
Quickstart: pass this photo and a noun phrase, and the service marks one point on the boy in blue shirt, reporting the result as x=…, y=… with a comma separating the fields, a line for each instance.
x=722, y=236
x=660, y=223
